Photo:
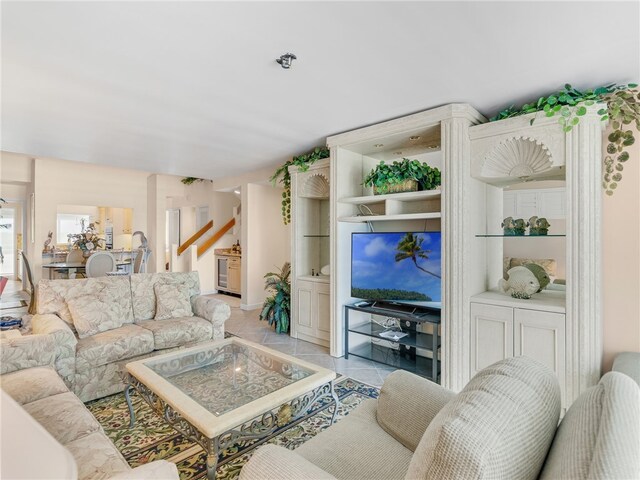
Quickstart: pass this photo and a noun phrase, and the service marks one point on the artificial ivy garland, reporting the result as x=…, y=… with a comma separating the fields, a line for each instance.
x=623, y=109
x=303, y=162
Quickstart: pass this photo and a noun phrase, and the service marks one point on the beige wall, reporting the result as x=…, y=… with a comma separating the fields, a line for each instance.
x=267, y=242
x=621, y=261
x=58, y=182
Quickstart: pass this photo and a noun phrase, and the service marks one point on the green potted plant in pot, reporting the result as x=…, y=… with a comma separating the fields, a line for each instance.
x=277, y=306
x=402, y=176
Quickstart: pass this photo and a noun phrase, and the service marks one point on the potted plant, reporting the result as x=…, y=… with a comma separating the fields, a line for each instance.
x=402, y=176
x=277, y=307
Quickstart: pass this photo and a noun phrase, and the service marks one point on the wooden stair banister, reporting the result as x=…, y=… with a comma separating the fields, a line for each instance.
x=194, y=238
x=216, y=236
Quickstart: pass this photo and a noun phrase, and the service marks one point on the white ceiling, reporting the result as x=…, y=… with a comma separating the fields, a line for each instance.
x=193, y=89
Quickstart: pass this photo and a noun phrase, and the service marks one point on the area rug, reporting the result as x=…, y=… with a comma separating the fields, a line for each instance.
x=153, y=439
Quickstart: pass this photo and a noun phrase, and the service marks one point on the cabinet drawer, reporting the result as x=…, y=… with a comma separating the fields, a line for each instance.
x=234, y=261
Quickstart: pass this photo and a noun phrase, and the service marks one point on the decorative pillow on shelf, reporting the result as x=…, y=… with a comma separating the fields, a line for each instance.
x=95, y=313
x=172, y=301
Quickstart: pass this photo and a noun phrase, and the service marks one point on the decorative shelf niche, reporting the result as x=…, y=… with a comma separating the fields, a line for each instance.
x=421, y=205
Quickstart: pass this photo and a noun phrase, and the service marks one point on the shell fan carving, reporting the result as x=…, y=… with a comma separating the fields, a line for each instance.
x=518, y=157
x=316, y=186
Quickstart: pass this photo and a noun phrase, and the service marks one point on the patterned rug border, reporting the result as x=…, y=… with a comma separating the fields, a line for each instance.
x=170, y=445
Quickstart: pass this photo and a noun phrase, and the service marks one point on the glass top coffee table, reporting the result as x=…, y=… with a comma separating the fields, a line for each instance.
x=228, y=391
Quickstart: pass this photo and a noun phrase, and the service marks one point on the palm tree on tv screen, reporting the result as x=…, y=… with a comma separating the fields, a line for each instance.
x=410, y=246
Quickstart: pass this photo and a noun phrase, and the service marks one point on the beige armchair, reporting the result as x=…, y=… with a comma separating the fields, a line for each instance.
x=501, y=425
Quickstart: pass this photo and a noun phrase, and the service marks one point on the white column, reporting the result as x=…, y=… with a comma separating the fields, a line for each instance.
x=584, y=305
x=456, y=238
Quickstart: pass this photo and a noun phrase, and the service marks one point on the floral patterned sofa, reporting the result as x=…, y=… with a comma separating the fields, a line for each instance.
x=100, y=324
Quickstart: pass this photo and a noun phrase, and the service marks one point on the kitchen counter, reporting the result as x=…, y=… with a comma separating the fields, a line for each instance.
x=226, y=252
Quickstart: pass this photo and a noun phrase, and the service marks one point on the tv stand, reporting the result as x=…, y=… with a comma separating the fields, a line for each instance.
x=409, y=352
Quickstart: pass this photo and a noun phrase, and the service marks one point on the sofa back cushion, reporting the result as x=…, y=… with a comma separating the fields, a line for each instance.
x=144, y=297
x=499, y=426
x=172, y=301
x=53, y=295
x=599, y=436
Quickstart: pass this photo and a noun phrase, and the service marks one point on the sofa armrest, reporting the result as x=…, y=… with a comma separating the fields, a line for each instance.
x=158, y=470
x=18, y=353
x=216, y=311
x=271, y=462
x=407, y=404
x=65, y=343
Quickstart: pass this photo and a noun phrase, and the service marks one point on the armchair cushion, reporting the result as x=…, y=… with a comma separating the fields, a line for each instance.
x=108, y=347
x=178, y=331
x=407, y=404
x=499, y=426
x=95, y=455
x=357, y=448
x=158, y=470
x=27, y=351
x=599, y=436
x=94, y=313
x=39, y=382
x=172, y=301
x=64, y=416
x=271, y=462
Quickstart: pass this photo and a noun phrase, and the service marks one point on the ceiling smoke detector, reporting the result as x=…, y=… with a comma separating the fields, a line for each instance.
x=286, y=60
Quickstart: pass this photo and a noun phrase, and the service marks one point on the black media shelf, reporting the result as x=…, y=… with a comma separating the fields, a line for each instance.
x=406, y=353
x=394, y=358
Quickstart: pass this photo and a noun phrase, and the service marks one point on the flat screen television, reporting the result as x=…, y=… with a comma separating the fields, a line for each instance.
x=397, y=267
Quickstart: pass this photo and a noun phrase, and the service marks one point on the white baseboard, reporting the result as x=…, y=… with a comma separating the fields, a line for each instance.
x=209, y=292
x=252, y=306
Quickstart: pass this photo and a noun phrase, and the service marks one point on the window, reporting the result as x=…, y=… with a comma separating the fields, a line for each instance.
x=69, y=223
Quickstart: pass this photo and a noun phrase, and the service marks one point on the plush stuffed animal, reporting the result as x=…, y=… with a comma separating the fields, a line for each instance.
x=522, y=283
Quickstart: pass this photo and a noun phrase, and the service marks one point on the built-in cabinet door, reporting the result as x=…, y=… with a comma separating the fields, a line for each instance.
x=234, y=278
x=491, y=335
x=304, y=315
x=541, y=335
x=323, y=310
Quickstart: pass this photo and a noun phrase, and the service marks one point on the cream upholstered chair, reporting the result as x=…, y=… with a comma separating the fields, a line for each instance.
x=503, y=424
x=74, y=256
x=99, y=264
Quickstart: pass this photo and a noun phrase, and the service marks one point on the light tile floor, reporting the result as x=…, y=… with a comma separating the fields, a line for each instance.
x=246, y=324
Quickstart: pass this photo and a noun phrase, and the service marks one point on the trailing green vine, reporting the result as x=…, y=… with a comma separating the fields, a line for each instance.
x=191, y=180
x=303, y=162
x=623, y=109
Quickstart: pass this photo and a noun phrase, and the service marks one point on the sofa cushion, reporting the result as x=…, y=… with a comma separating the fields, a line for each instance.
x=144, y=298
x=172, y=301
x=178, y=331
x=53, y=295
x=499, y=426
x=64, y=416
x=599, y=436
x=32, y=384
x=95, y=313
x=97, y=457
x=341, y=451
x=118, y=344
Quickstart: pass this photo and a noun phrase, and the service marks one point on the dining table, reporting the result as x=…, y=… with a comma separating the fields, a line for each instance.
x=72, y=268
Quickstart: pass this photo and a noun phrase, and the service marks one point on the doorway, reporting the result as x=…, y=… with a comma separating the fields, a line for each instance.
x=8, y=248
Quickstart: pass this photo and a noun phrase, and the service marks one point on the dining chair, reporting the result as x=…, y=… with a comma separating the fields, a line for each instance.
x=32, y=299
x=74, y=256
x=99, y=264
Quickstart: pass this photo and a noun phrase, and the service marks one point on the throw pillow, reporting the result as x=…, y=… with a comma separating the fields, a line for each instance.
x=95, y=313
x=172, y=301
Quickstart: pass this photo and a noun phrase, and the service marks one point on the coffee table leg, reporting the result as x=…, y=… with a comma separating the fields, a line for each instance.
x=212, y=460
x=132, y=414
x=336, y=402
